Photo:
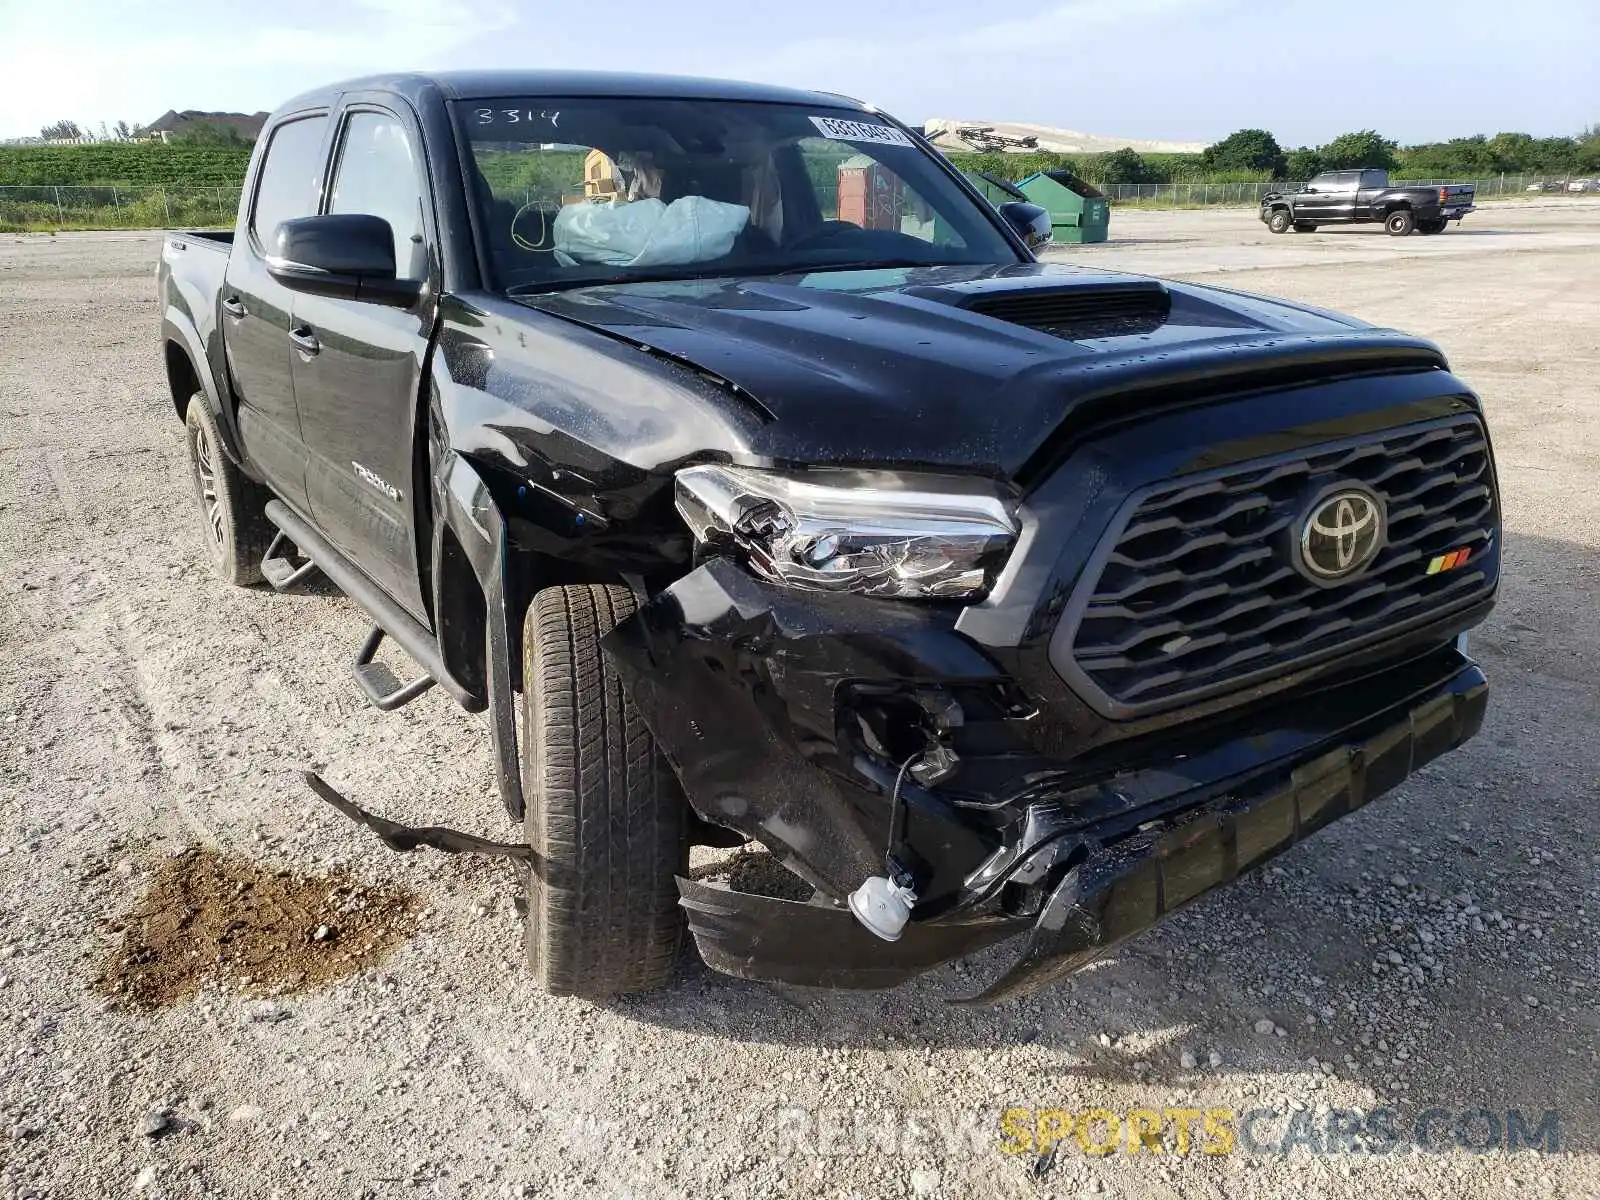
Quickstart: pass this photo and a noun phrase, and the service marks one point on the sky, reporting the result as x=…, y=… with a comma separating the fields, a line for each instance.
x=1179, y=70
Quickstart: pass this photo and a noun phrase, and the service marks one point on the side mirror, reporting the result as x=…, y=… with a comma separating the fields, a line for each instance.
x=348, y=256
x=1032, y=223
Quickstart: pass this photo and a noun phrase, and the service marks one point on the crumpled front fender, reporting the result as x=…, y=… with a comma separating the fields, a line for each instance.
x=738, y=681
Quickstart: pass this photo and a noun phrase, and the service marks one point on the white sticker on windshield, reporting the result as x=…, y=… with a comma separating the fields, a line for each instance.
x=859, y=131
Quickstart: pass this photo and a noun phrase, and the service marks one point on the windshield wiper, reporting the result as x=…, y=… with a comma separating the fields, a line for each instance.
x=875, y=264
x=565, y=285
x=748, y=270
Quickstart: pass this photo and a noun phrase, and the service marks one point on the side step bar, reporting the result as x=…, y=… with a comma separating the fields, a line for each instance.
x=390, y=618
x=278, y=569
x=382, y=690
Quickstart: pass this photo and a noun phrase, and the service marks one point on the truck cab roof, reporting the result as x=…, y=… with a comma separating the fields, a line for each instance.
x=483, y=85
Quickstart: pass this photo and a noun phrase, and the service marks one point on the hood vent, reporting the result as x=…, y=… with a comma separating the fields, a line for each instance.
x=1116, y=310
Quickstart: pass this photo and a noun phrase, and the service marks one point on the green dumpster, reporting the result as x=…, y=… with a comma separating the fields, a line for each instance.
x=1079, y=211
x=995, y=190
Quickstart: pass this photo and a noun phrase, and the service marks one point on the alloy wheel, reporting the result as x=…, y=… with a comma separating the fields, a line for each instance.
x=205, y=471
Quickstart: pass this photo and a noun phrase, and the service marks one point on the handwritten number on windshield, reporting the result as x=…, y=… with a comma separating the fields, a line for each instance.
x=518, y=116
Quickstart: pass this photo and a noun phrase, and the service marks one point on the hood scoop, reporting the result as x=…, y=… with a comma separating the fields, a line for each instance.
x=1118, y=309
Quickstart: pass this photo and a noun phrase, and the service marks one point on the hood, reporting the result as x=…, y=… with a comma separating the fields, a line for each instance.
x=965, y=367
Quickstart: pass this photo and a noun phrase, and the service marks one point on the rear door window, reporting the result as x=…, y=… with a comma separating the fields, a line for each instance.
x=289, y=177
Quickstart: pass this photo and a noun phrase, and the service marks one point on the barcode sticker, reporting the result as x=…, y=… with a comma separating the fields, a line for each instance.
x=859, y=131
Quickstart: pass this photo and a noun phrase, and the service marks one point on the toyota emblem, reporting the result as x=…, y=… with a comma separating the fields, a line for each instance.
x=1342, y=533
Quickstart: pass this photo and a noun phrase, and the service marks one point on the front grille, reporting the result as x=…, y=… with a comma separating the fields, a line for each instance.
x=1082, y=311
x=1195, y=590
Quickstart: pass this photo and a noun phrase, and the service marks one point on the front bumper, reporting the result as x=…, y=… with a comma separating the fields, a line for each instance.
x=1110, y=890
x=1122, y=889
x=751, y=690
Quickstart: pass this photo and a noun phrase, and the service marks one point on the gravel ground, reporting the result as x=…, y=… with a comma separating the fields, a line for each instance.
x=1437, y=950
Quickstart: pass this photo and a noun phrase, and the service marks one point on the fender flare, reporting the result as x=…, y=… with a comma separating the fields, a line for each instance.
x=177, y=329
x=464, y=506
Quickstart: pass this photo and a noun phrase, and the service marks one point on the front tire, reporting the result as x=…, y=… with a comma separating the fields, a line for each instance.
x=606, y=818
x=237, y=531
x=1279, y=220
x=1399, y=223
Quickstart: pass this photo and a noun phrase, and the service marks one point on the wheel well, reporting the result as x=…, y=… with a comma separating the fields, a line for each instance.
x=1396, y=206
x=182, y=379
x=462, y=610
x=462, y=614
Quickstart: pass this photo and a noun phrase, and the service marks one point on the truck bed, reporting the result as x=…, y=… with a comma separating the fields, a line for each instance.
x=210, y=239
x=190, y=275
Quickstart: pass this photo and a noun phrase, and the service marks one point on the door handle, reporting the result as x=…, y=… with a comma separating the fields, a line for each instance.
x=305, y=339
x=234, y=307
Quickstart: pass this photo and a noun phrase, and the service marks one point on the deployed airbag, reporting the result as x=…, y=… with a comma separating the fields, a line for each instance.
x=648, y=233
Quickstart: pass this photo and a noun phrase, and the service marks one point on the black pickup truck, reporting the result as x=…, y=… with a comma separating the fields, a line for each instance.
x=1354, y=197
x=747, y=469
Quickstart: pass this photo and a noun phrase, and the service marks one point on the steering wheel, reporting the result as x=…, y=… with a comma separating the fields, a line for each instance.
x=823, y=234
x=545, y=243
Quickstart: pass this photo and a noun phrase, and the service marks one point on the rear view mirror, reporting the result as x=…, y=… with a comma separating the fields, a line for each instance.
x=1031, y=223
x=348, y=256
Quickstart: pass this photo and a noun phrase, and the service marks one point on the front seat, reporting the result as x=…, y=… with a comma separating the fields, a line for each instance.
x=498, y=215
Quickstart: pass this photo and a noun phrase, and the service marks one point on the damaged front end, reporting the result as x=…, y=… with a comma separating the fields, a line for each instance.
x=845, y=733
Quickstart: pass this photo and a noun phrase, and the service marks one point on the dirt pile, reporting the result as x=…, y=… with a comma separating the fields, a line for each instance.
x=209, y=918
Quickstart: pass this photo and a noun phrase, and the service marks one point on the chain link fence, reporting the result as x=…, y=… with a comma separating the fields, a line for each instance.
x=120, y=207
x=166, y=207
x=1187, y=195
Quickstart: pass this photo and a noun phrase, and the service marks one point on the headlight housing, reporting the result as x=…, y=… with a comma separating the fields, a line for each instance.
x=912, y=537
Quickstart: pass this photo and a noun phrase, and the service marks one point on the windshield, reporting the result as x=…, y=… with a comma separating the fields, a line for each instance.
x=574, y=192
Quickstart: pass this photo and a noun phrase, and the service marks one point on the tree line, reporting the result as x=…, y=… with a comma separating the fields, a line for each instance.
x=71, y=131
x=1476, y=156
x=1251, y=155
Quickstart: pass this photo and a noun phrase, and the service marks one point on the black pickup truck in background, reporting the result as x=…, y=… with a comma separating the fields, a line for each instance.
x=1356, y=197
x=743, y=464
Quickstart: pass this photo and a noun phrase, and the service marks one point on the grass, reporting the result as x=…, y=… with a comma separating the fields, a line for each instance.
x=45, y=209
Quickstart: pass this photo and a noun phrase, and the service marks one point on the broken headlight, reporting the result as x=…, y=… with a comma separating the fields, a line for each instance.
x=876, y=533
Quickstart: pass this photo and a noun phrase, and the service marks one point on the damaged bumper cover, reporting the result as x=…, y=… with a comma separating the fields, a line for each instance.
x=753, y=693
x=1121, y=889
x=1109, y=892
